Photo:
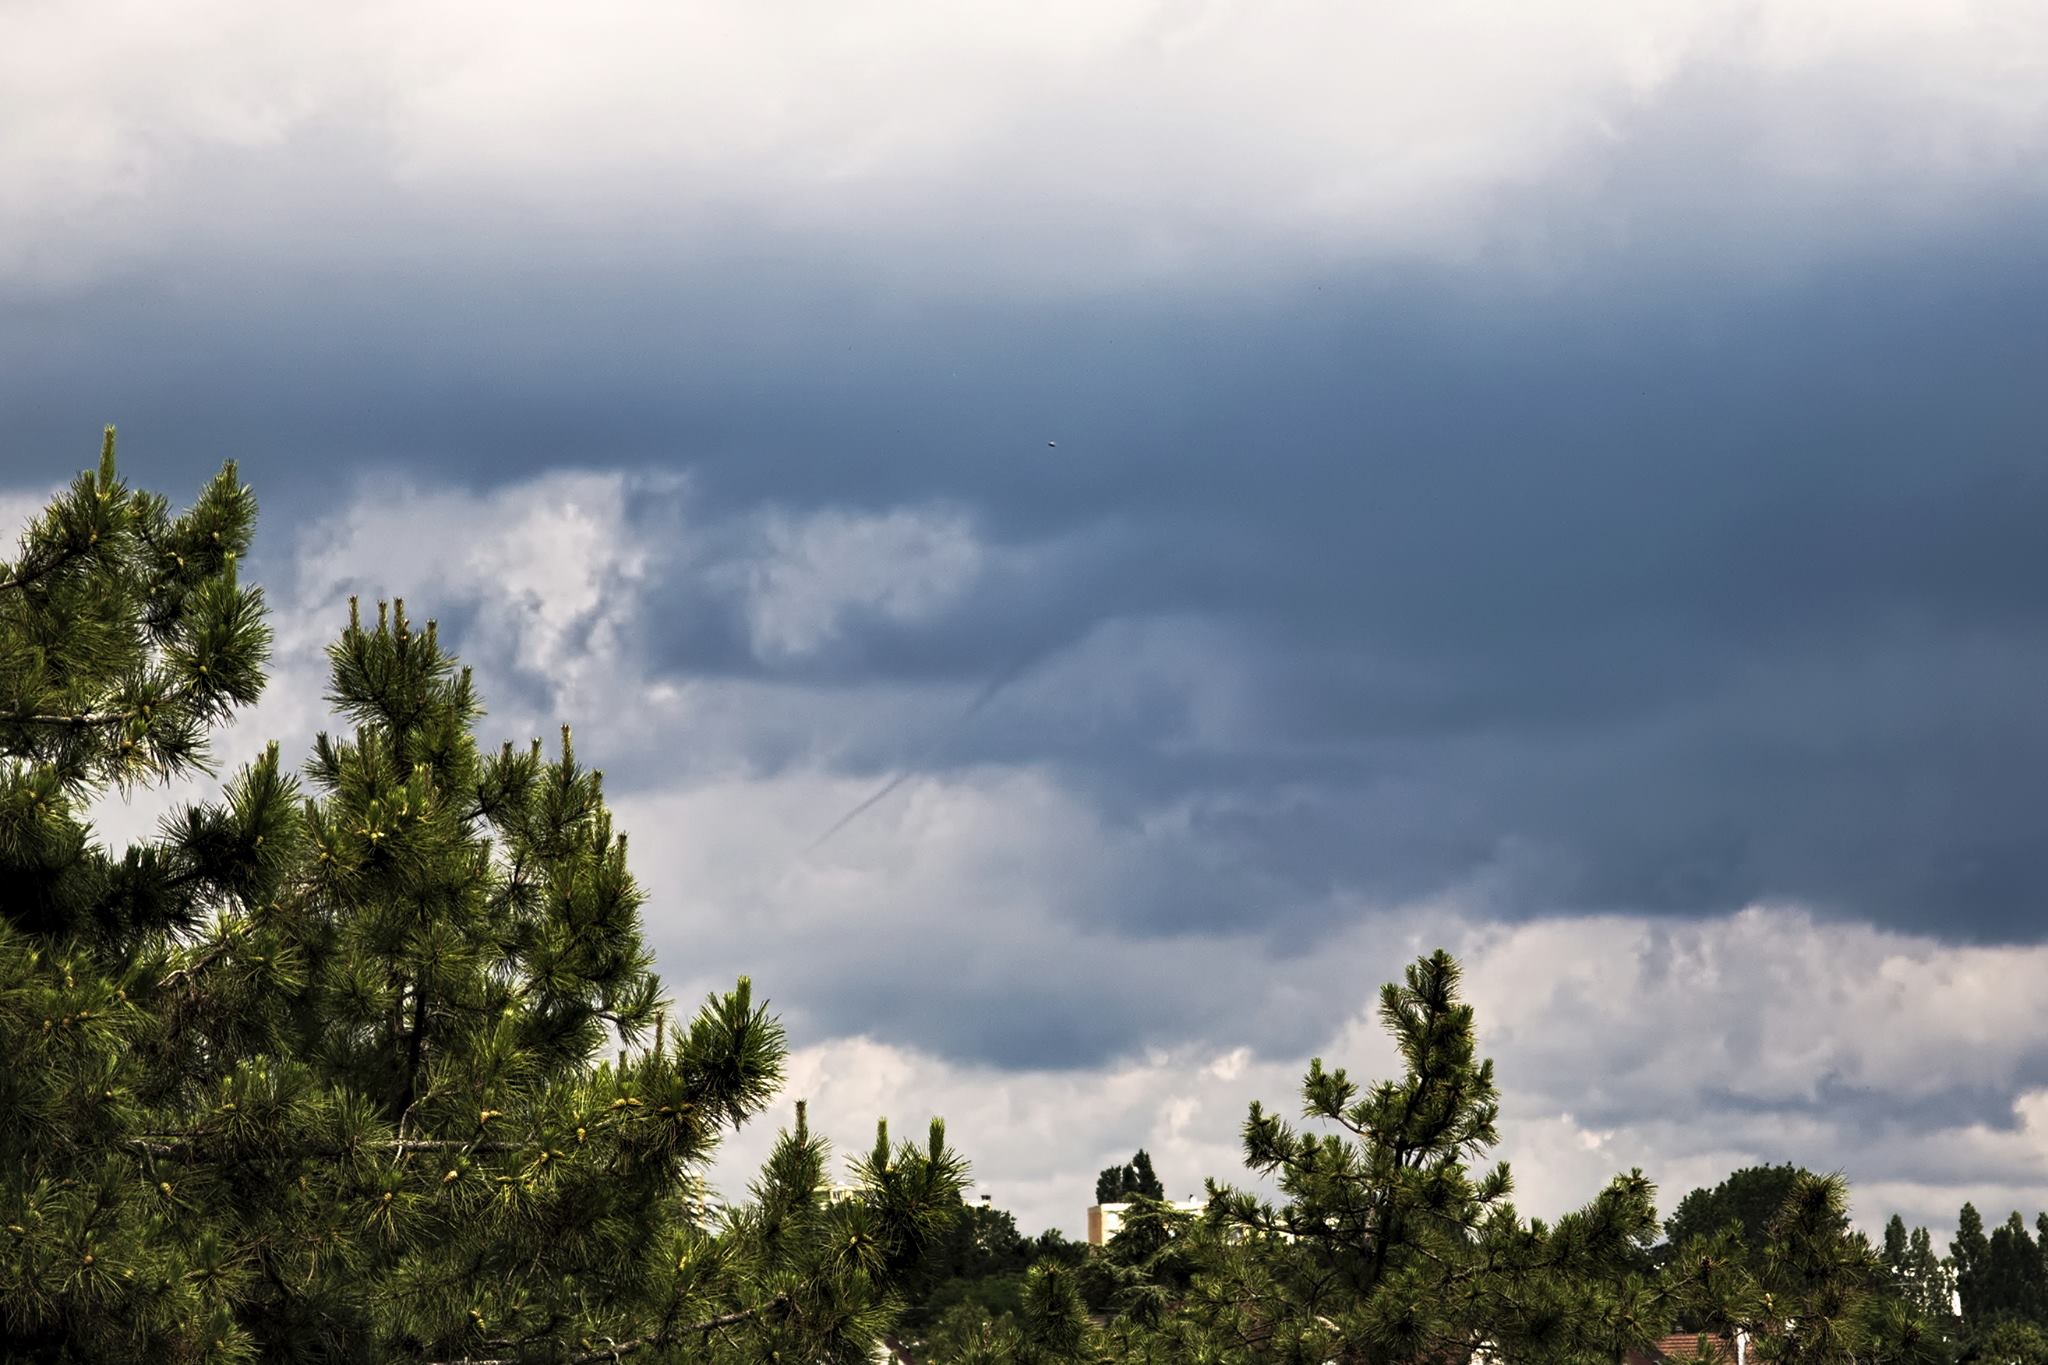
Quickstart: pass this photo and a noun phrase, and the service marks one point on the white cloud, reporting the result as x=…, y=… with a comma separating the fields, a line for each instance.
x=553, y=568
x=1795, y=1006
x=17, y=509
x=810, y=572
x=1037, y=1137
x=550, y=572
x=1066, y=138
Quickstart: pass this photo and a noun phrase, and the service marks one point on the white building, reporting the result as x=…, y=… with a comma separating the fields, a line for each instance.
x=1105, y=1219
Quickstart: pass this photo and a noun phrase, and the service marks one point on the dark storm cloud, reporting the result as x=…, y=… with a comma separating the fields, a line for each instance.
x=1642, y=591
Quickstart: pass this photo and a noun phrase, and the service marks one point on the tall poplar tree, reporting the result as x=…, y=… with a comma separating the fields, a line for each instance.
x=1918, y=1275
x=1970, y=1250
x=367, y=1063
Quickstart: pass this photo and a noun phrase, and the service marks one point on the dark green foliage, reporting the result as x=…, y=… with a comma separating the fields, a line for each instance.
x=2010, y=1283
x=1052, y=1245
x=1747, y=1200
x=315, y=1074
x=1389, y=1245
x=1050, y=1325
x=1970, y=1251
x=978, y=1262
x=1118, y=1184
x=1921, y=1278
x=2003, y=1283
x=125, y=637
x=1385, y=1246
x=1813, y=1292
x=2009, y=1342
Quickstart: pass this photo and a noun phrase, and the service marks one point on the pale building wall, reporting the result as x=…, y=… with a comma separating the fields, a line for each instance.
x=1104, y=1220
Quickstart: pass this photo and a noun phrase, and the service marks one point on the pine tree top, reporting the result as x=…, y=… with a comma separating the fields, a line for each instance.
x=368, y=1061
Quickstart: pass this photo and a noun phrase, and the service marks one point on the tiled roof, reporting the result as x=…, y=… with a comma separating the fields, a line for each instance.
x=1686, y=1345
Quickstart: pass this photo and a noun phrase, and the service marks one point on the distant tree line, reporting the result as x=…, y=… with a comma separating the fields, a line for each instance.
x=1389, y=1242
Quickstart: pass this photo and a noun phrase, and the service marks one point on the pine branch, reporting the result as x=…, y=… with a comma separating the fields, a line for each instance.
x=179, y=1144
x=28, y=578
x=90, y=720
x=415, y=1050
x=187, y=974
x=621, y=1348
x=83, y=720
x=20, y=581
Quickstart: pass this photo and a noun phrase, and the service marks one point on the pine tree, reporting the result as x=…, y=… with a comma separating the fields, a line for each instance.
x=1386, y=1246
x=1816, y=1276
x=315, y=1074
x=1815, y=1293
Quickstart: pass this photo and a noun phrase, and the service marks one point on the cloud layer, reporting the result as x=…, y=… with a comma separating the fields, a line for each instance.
x=1075, y=142
x=1085, y=538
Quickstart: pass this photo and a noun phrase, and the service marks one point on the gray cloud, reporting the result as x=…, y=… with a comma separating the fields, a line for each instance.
x=1093, y=143
x=1540, y=484
x=1629, y=595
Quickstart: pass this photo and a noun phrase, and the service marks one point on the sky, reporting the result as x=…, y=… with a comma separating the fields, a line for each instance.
x=1087, y=535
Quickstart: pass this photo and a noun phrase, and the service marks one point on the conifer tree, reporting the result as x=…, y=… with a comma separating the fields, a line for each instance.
x=1385, y=1246
x=1388, y=1245
x=320, y=1073
x=1815, y=1293
x=2012, y=1280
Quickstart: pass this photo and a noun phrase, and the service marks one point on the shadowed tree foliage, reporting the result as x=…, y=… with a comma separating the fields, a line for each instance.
x=1920, y=1277
x=1968, y=1252
x=1812, y=1291
x=2002, y=1282
x=977, y=1266
x=367, y=1063
x=1119, y=1184
x=1747, y=1200
x=2010, y=1280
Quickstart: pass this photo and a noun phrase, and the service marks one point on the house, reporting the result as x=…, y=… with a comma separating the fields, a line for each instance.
x=1684, y=1346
